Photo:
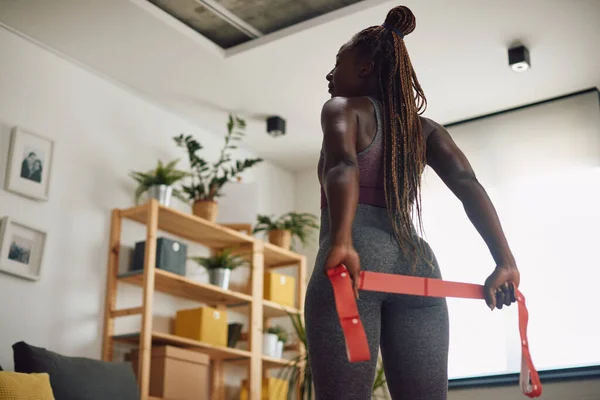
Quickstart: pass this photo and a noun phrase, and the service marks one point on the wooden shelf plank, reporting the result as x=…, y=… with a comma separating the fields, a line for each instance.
x=214, y=352
x=190, y=227
x=268, y=362
x=180, y=286
x=276, y=257
x=272, y=363
x=274, y=310
x=270, y=309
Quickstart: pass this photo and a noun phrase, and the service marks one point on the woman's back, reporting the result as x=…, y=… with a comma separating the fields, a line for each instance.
x=372, y=231
x=369, y=154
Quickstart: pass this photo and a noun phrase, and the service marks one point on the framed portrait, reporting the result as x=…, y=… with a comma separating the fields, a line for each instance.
x=29, y=165
x=21, y=249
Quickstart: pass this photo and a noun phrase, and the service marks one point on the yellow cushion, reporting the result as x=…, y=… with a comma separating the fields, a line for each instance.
x=17, y=386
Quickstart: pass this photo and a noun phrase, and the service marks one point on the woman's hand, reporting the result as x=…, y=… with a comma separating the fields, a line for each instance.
x=498, y=287
x=347, y=255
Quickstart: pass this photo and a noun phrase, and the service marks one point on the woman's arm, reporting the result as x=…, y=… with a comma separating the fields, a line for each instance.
x=449, y=162
x=341, y=181
x=340, y=172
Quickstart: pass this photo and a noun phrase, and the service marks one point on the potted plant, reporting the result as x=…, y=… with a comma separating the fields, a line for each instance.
x=158, y=183
x=299, y=374
x=219, y=266
x=282, y=336
x=282, y=230
x=273, y=341
x=208, y=179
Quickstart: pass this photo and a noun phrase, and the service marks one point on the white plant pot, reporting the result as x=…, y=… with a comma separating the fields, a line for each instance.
x=162, y=193
x=219, y=277
x=270, y=341
x=279, y=352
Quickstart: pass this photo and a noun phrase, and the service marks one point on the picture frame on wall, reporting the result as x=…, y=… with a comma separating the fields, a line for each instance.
x=29, y=165
x=21, y=249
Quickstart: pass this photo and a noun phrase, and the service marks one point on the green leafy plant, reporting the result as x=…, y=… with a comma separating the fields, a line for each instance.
x=281, y=333
x=380, y=390
x=208, y=179
x=300, y=225
x=299, y=374
x=224, y=259
x=161, y=175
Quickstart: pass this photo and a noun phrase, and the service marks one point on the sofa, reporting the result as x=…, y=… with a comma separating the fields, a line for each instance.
x=41, y=374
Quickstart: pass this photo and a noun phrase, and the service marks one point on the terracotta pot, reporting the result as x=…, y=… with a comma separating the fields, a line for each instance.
x=281, y=238
x=206, y=209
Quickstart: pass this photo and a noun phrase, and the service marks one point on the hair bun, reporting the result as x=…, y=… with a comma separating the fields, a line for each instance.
x=402, y=19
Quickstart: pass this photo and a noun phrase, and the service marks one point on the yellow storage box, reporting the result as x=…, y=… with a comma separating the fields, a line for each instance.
x=279, y=288
x=204, y=324
x=272, y=389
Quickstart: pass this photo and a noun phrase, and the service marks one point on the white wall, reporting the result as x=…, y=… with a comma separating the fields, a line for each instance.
x=101, y=132
x=308, y=199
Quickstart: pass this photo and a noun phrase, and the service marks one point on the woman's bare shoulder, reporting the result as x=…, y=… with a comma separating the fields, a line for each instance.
x=430, y=126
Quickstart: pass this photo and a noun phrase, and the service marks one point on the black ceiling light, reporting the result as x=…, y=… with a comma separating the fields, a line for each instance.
x=276, y=126
x=518, y=59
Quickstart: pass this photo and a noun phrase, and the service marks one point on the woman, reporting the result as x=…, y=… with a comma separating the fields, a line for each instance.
x=375, y=147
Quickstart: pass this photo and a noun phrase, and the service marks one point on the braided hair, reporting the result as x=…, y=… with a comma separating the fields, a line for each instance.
x=403, y=101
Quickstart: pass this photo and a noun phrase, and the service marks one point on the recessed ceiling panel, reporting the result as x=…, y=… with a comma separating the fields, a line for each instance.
x=267, y=16
x=272, y=15
x=204, y=21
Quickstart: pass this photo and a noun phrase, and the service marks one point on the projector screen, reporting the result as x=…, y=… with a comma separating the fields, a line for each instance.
x=541, y=167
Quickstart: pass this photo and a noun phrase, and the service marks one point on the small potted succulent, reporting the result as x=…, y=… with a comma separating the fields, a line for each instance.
x=158, y=183
x=289, y=226
x=208, y=179
x=273, y=341
x=219, y=266
x=282, y=338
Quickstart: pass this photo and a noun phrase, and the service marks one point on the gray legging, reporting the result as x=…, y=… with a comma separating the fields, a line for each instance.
x=412, y=331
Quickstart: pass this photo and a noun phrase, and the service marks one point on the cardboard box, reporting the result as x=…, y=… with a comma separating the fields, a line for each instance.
x=272, y=389
x=204, y=324
x=279, y=288
x=177, y=373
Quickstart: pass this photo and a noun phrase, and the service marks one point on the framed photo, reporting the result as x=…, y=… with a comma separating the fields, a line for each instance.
x=29, y=165
x=21, y=249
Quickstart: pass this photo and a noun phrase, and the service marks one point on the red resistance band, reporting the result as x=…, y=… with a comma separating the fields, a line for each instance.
x=356, y=339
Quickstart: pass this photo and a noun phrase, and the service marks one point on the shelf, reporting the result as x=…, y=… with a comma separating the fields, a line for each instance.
x=268, y=362
x=177, y=285
x=274, y=310
x=276, y=257
x=270, y=309
x=272, y=363
x=190, y=227
x=158, y=220
x=214, y=352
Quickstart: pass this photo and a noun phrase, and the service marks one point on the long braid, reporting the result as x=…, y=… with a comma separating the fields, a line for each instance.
x=404, y=100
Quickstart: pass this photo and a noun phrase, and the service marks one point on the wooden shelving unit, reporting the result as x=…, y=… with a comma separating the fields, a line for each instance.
x=263, y=256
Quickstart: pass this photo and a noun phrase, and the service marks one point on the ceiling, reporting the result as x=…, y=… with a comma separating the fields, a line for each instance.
x=459, y=51
x=228, y=23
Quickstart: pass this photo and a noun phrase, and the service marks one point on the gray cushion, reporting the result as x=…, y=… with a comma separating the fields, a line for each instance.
x=77, y=378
